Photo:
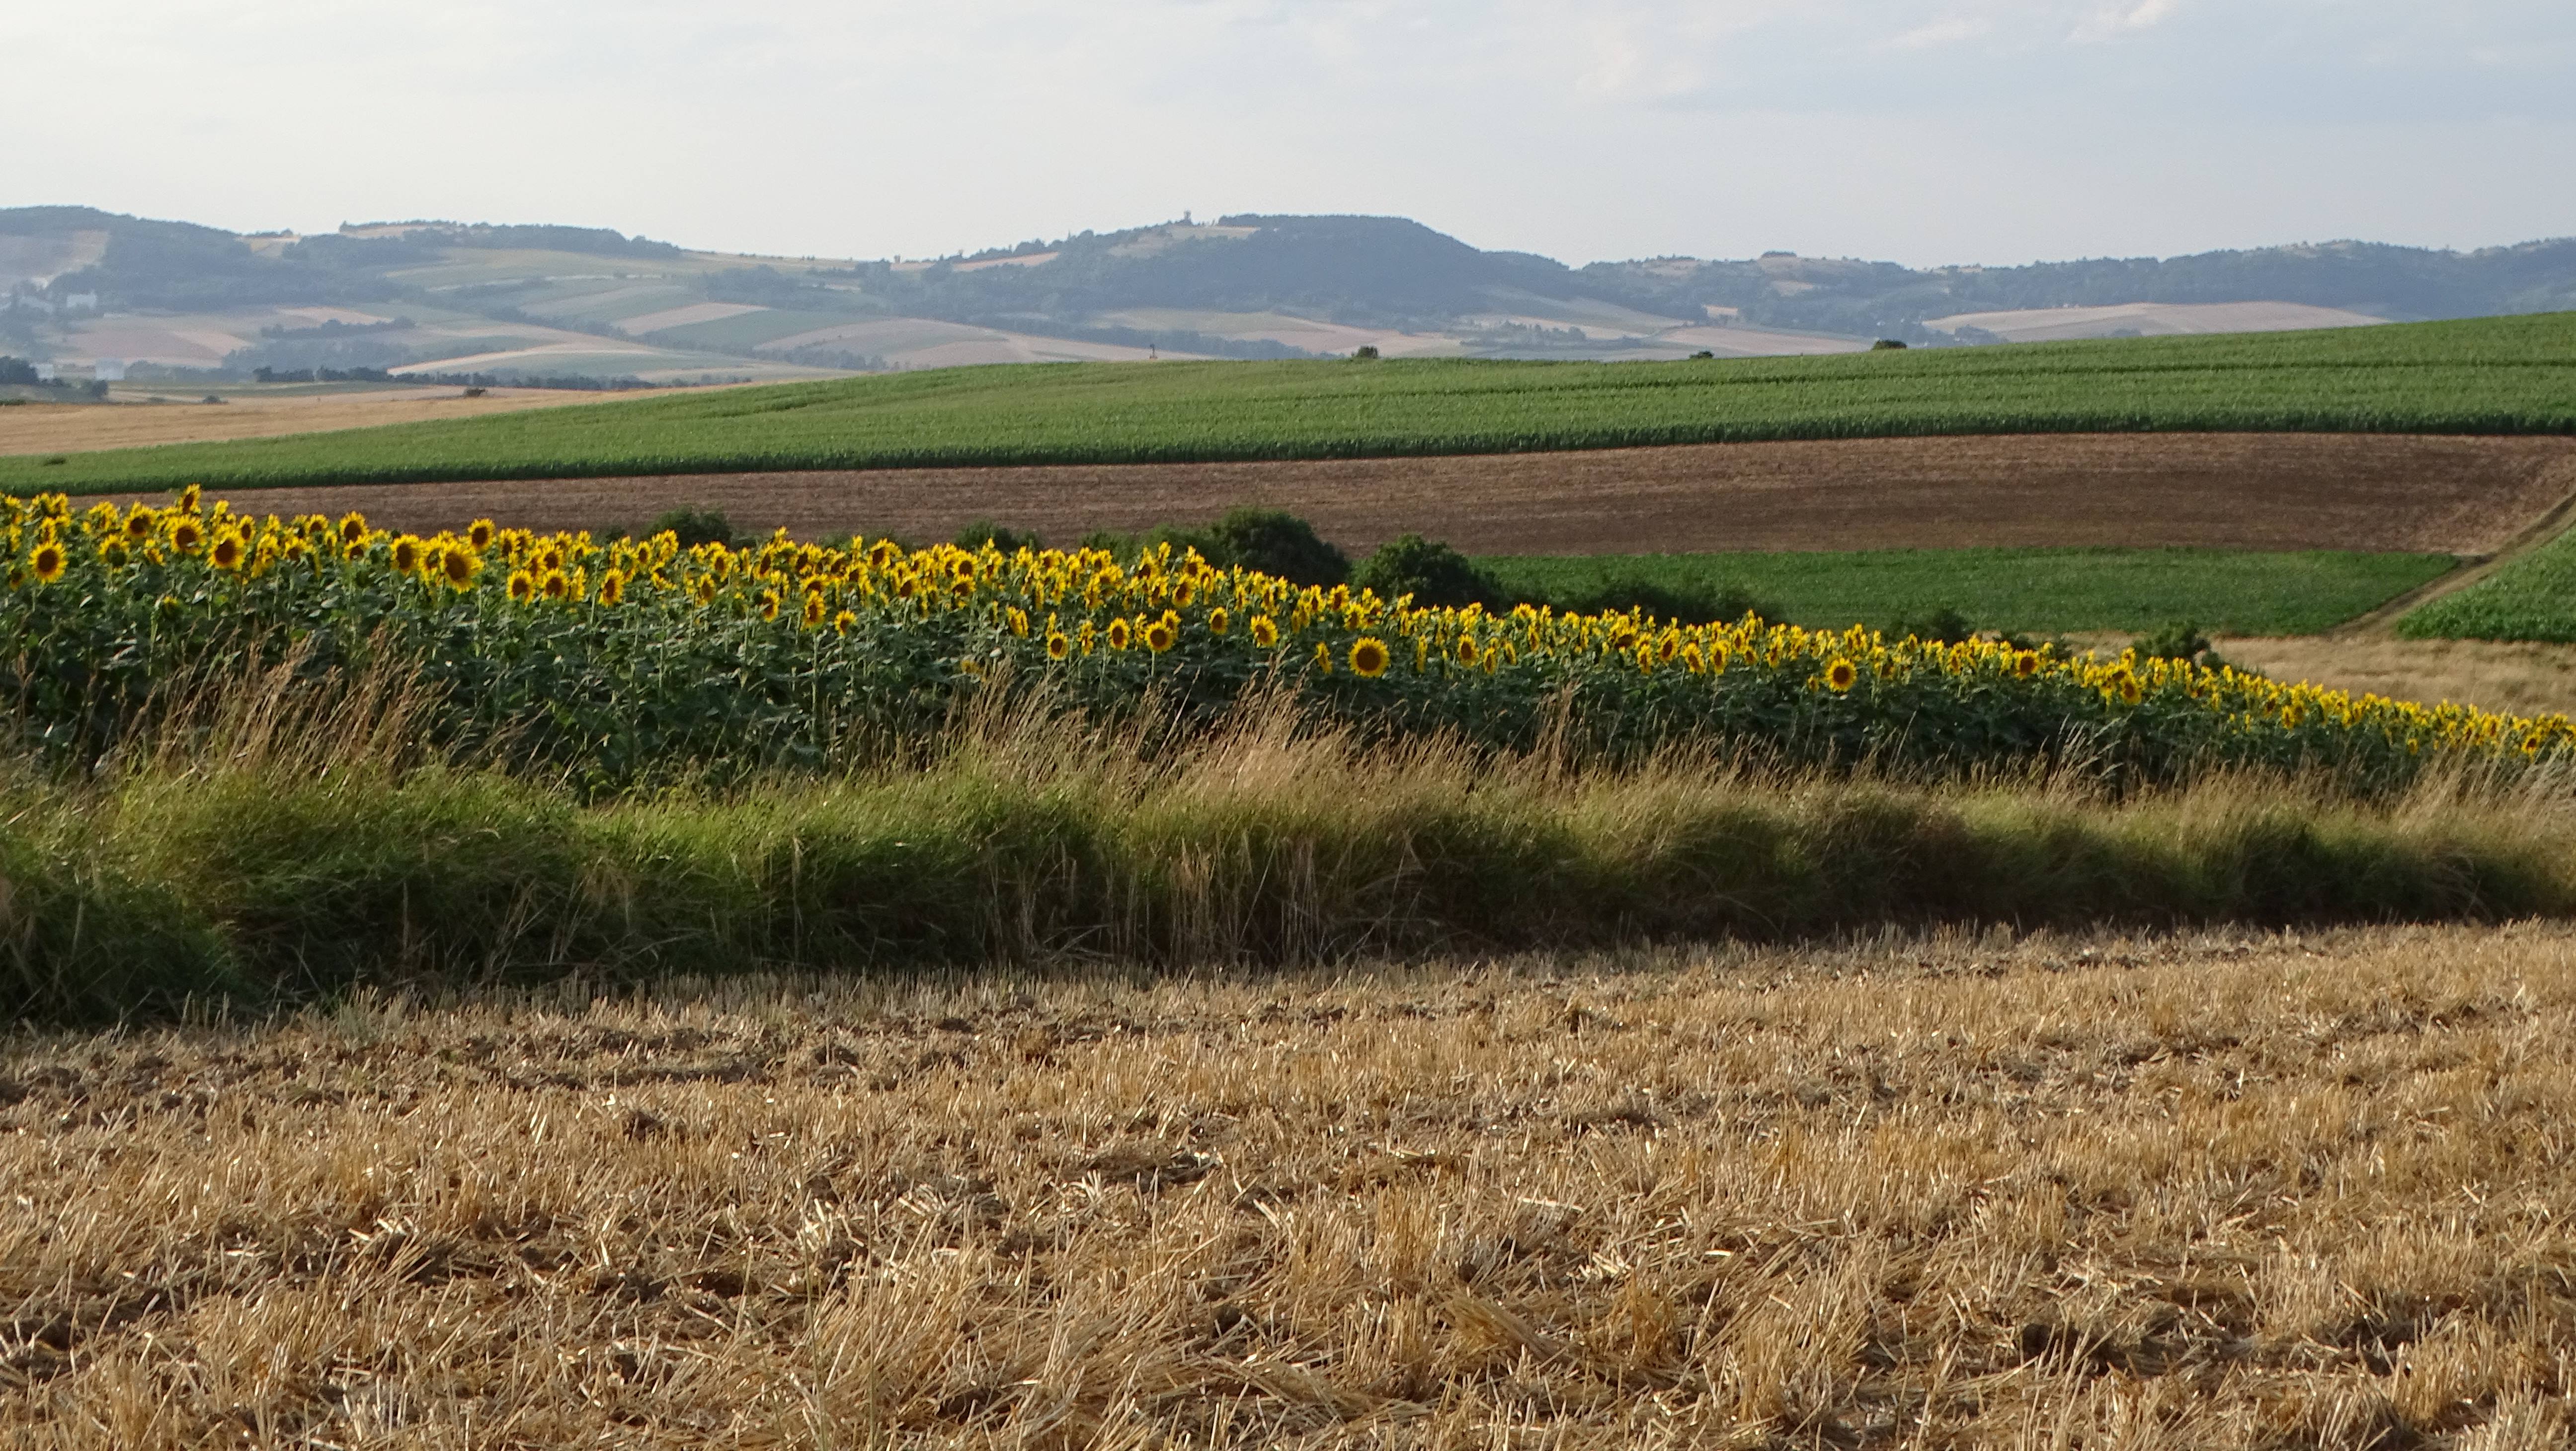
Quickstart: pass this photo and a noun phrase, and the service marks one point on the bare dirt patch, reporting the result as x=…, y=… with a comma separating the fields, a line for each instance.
x=2255, y=491
x=76, y=428
x=2214, y=1191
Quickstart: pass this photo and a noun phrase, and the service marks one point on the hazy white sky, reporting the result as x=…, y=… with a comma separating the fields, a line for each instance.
x=1920, y=131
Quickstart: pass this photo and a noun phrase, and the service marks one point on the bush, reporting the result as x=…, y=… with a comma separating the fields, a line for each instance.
x=1691, y=605
x=1436, y=575
x=1887, y=345
x=1942, y=626
x=1364, y=351
x=1276, y=543
x=985, y=531
x=2179, y=640
x=696, y=527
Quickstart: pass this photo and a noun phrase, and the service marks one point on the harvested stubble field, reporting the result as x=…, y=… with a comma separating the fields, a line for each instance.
x=2293, y=491
x=65, y=428
x=2207, y=1191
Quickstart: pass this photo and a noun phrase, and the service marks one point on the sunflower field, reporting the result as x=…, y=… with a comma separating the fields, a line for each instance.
x=627, y=662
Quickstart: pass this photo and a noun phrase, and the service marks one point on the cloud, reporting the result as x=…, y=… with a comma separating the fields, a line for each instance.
x=1946, y=31
x=2119, y=19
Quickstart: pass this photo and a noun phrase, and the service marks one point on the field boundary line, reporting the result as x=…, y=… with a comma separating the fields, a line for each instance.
x=2382, y=621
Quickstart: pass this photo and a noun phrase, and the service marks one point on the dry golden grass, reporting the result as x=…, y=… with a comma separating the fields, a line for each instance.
x=77, y=427
x=2207, y=1191
x=2525, y=679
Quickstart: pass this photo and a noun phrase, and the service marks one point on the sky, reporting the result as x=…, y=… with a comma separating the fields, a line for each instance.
x=1918, y=131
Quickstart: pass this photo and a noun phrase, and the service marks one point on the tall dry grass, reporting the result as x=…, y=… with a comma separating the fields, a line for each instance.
x=284, y=854
x=1961, y=1190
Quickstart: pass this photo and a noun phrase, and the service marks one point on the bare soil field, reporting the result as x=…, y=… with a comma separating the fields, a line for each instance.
x=2525, y=679
x=2249, y=491
x=77, y=427
x=2213, y=1191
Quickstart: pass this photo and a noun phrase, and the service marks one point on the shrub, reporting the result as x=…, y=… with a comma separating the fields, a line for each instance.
x=1278, y=544
x=1942, y=626
x=695, y=527
x=1887, y=345
x=985, y=531
x=1437, y=576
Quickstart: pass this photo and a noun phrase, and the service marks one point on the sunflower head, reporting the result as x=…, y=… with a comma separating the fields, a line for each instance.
x=814, y=608
x=406, y=555
x=1841, y=675
x=2129, y=690
x=479, y=534
x=1161, y=636
x=2025, y=663
x=1119, y=633
x=227, y=551
x=1369, y=657
x=457, y=566
x=523, y=586
x=189, y=496
x=769, y=603
x=1265, y=631
x=1184, y=590
x=1057, y=645
x=353, y=529
x=612, y=586
x=138, y=523
x=1466, y=650
x=842, y=622
x=187, y=535
x=48, y=561
x=1019, y=621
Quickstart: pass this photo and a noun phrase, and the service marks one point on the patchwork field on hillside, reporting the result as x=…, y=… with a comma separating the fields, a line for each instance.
x=2492, y=376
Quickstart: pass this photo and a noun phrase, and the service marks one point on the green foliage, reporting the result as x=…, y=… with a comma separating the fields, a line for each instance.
x=1887, y=345
x=261, y=884
x=984, y=533
x=2176, y=640
x=2530, y=598
x=1434, y=575
x=2500, y=375
x=1692, y=601
x=2043, y=591
x=1276, y=543
x=1942, y=626
x=694, y=527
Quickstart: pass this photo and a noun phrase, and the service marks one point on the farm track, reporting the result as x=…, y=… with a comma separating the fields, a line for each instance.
x=2452, y=495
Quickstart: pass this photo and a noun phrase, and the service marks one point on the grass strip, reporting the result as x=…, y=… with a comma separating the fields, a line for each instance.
x=2240, y=592
x=2489, y=375
x=258, y=883
x=2531, y=598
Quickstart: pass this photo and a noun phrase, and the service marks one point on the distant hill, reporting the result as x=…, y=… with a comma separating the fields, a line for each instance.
x=437, y=298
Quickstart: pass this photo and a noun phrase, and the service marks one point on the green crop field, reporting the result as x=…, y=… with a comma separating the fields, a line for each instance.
x=2240, y=592
x=2494, y=375
x=2532, y=598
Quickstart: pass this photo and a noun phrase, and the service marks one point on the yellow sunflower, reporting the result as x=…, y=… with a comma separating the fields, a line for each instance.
x=1019, y=619
x=457, y=566
x=1841, y=675
x=187, y=535
x=1160, y=636
x=1466, y=651
x=523, y=586
x=479, y=534
x=1219, y=621
x=138, y=523
x=189, y=496
x=612, y=587
x=814, y=608
x=553, y=585
x=2026, y=663
x=1369, y=657
x=227, y=552
x=1119, y=634
x=2129, y=690
x=1323, y=658
x=48, y=562
x=353, y=529
x=769, y=603
x=406, y=555
x=1057, y=645
x=842, y=622
x=1265, y=631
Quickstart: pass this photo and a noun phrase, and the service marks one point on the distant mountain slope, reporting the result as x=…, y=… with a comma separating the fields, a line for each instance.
x=78, y=285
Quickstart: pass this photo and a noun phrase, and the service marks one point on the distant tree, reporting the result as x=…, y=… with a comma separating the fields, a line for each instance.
x=985, y=531
x=1365, y=351
x=695, y=527
x=1887, y=345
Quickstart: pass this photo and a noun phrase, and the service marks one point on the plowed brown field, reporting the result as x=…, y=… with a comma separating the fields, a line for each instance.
x=2256, y=491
